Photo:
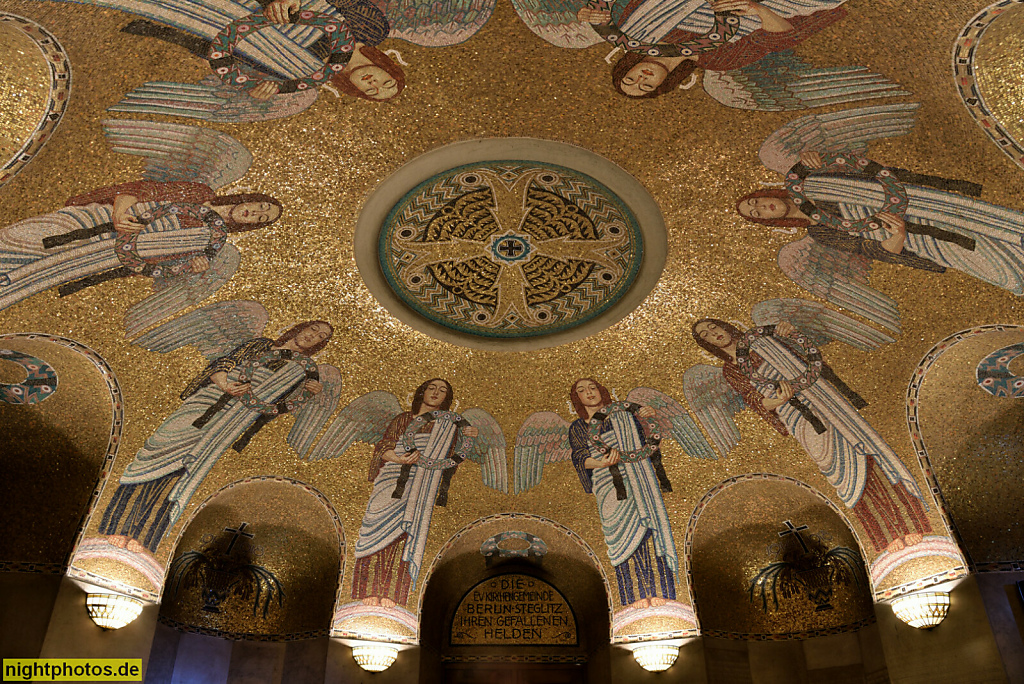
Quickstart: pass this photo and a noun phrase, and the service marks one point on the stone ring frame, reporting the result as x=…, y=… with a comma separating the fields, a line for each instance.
x=628, y=190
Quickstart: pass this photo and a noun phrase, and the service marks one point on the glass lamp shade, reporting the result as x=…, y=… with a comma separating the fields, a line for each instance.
x=656, y=657
x=923, y=610
x=375, y=657
x=112, y=611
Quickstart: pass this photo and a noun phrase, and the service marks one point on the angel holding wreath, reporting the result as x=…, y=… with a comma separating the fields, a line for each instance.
x=614, y=447
x=249, y=381
x=416, y=454
x=776, y=370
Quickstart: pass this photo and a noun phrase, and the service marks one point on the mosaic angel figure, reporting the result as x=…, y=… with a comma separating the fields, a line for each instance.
x=776, y=370
x=857, y=213
x=269, y=58
x=250, y=380
x=614, y=447
x=415, y=456
x=743, y=47
x=171, y=226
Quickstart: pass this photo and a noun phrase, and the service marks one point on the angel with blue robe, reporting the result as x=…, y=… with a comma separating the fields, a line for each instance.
x=250, y=380
x=416, y=454
x=744, y=48
x=613, y=446
x=174, y=223
x=868, y=476
x=858, y=213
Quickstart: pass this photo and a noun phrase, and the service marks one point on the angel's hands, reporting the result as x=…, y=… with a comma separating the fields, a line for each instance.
x=646, y=412
x=784, y=329
x=811, y=160
x=314, y=386
x=122, y=220
x=593, y=16
x=265, y=90
x=785, y=393
x=220, y=379
x=278, y=10
x=470, y=431
x=199, y=264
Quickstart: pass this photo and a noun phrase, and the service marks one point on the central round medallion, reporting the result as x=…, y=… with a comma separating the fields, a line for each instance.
x=510, y=247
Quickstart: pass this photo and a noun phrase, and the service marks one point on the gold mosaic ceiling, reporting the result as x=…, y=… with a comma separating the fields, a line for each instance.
x=694, y=156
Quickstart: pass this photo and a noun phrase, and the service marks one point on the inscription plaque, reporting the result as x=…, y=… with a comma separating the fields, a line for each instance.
x=513, y=610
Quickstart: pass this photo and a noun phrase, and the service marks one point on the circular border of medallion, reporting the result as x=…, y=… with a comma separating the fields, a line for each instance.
x=60, y=93
x=429, y=167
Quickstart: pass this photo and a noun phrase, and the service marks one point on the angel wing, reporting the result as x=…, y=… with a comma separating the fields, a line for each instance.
x=214, y=329
x=212, y=100
x=364, y=420
x=489, y=449
x=847, y=130
x=555, y=21
x=715, y=403
x=175, y=152
x=171, y=295
x=841, y=278
x=435, y=23
x=781, y=81
x=315, y=412
x=673, y=420
x=821, y=324
x=543, y=438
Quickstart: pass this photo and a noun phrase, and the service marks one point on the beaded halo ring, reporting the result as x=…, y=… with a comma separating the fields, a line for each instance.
x=126, y=243
x=40, y=379
x=417, y=423
x=811, y=354
x=294, y=401
x=236, y=73
x=652, y=433
x=895, y=201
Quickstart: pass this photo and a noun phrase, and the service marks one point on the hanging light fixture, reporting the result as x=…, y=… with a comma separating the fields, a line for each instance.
x=112, y=611
x=923, y=610
x=656, y=656
x=375, y=657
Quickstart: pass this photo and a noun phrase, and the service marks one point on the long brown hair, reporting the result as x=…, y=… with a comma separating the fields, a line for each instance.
x=291, y=332
x=733, y=331
x=606, y=396
x=341, y=82
x=672, y=80
x=774, y=193
x=417, y=397
x=233, y=200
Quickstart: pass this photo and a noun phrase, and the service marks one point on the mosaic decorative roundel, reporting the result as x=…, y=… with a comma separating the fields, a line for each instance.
x=510, y=249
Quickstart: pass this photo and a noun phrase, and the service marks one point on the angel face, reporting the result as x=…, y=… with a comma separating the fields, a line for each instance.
x=374, y=81
x=435, y=394
x=763, y=208
x=312, y=335
x=588, y=393
x=643, y=78
x=713, y=334
x=255, y=212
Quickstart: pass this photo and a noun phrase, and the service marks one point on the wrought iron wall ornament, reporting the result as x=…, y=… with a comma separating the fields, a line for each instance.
x=808, y=567
x=225, y=568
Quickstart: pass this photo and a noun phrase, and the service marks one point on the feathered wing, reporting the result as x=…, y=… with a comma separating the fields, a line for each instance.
x=212, y=100
x=364, y=420
x=312, y=415
x=714, y=403
x=841, y=278
x=781, y=81
x=674, y=420
x=214, y=329
x=848, y=130
x=175, y=152
x=555, y=21
x=820, y=323
x=543, y=438
x=171, y=295
x=436, y=23
x=489, y=449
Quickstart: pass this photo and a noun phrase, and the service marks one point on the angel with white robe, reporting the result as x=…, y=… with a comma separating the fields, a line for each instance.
x=415, y=456
x=868, y=475
x=249, y=381
x=744, y=48
x=171, y=227
x=858, y=212
x=614, y=447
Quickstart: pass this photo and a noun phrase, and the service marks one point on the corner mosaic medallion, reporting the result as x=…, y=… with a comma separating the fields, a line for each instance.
x=514, y=248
